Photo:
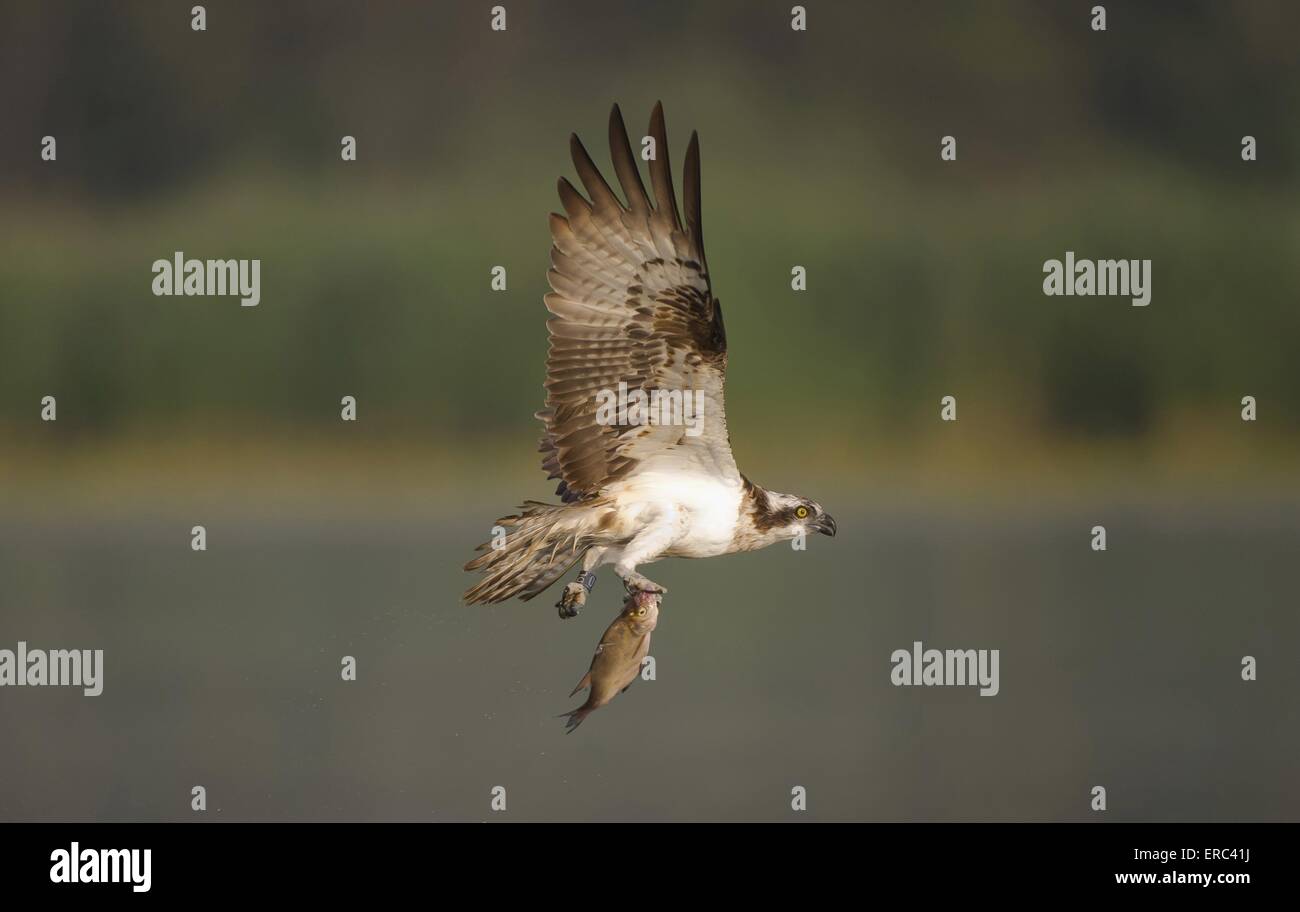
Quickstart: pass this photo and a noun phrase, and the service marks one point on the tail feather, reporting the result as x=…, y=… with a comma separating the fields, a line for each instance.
x=542, y=542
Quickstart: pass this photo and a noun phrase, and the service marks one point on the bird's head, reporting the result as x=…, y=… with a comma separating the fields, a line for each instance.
x=791, y=516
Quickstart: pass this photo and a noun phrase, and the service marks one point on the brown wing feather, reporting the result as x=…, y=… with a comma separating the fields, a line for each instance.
x=631, y=303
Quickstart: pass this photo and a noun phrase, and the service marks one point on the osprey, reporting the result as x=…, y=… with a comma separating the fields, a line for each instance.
x=633, y=313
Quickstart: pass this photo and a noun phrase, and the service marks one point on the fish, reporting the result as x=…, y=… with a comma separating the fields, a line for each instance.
x=617, y=661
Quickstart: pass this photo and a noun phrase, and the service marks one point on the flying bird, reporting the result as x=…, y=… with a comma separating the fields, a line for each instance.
x=634, y=321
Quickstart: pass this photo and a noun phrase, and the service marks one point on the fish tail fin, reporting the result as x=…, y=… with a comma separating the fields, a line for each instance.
x=575, y=717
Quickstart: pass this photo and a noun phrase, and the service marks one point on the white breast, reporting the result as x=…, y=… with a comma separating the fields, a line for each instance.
x=705, y=509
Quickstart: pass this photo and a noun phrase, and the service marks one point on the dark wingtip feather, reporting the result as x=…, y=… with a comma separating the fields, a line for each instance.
x=589, y=174
x=574, y=203
x=691, y=195
x=629, y=177
x=661, y=174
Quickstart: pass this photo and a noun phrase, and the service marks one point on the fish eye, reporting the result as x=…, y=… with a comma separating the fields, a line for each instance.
x=640, y=612
x=801, y=512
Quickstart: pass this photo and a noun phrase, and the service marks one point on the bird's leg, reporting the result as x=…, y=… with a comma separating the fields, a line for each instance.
x=574, y=595
x=647, y=546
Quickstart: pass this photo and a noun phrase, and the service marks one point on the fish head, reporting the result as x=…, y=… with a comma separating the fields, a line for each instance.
x=642, y=612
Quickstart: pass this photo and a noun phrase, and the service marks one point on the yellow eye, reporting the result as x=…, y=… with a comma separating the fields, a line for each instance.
x=801, y=512
x=640, y=612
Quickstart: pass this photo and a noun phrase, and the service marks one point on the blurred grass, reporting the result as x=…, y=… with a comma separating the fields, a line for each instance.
x=924, y=277
x=390, y=303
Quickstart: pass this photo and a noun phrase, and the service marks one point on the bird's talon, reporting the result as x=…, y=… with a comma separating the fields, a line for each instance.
x=571, y=600
x=641, y=584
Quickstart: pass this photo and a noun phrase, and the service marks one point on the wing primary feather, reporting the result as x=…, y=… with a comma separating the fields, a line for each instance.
x=661, y=174
x=629, y=176
x=597, y=188
x=574, y=203
x=691, y=196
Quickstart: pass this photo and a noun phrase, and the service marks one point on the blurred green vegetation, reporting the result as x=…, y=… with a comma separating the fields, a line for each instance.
x=819, y=149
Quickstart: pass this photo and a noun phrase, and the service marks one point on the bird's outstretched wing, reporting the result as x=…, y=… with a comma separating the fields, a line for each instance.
x=631, y=304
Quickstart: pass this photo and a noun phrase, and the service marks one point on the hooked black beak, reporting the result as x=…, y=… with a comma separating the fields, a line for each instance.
x=826, y=525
